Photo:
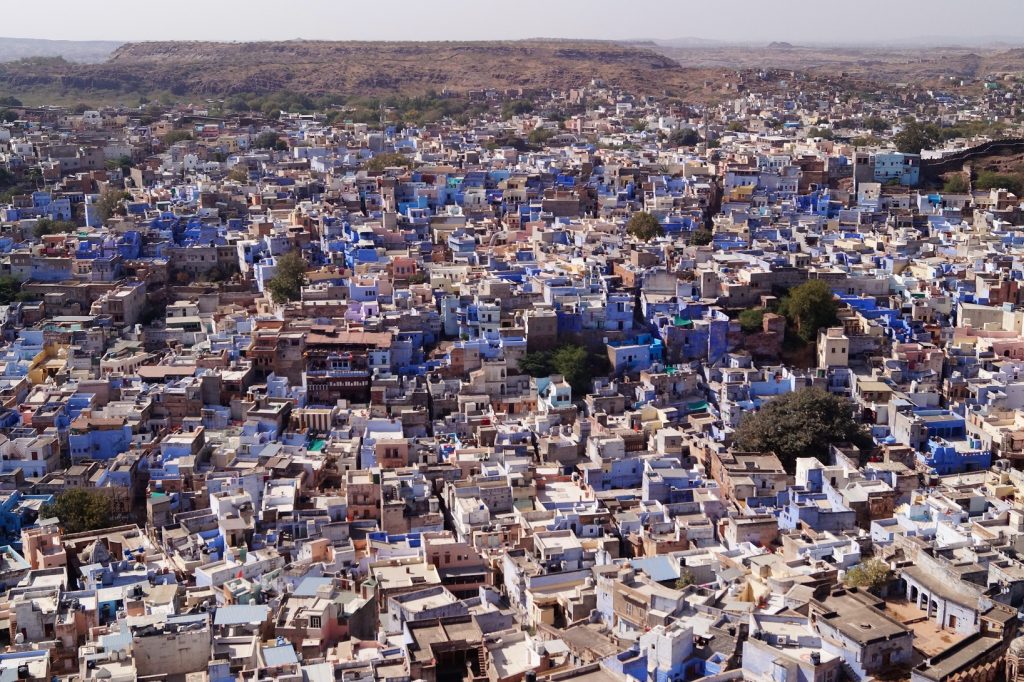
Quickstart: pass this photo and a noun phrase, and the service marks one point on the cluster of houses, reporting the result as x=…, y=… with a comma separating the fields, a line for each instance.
x=489, y=433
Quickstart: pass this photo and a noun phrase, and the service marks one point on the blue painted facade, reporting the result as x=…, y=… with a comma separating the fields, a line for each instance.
x=944, y=458
x=101, y=444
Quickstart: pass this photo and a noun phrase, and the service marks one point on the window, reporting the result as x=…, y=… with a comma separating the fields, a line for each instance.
x=314, y=621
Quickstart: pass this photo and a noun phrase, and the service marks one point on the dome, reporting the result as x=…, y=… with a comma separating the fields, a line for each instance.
x=1017, y=647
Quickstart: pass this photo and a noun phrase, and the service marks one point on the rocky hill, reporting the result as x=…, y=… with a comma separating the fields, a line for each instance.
x=71, y=50
x=356, y=68
x=885, y=65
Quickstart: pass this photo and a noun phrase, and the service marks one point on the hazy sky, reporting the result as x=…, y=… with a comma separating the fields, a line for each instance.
x=741, y=20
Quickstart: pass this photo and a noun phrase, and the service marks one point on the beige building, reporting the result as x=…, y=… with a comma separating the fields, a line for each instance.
x=833, y=348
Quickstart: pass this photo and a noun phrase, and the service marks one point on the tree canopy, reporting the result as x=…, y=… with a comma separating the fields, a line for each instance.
x=176, y=136
x=684, y=137
x=239, y=173
x=751, y=320
x=876, y=124
x=10, y=287
x=685, y=579
x=109, y=203
x=45, y=226
x=803, y=423
x=574, y=363
x=123, y=162
x=956, y=184
x=870, y=574
x=992, y=180
x=516, y=108
x=389, y=160
x=269, y=140
x=914, y=137
x=810, y=306
x=540, y=135
x=289, y=276
x=80, y=510
x=644, y=226
x=701, y=237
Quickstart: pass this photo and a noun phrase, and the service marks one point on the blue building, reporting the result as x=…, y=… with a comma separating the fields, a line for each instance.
x=18, y=511
x=955, y=457
x=903, y=168
x=817, y=511
x=634, y=355
x=90, y=439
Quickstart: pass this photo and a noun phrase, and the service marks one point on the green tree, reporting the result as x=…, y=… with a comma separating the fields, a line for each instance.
x=810, y=307
x=151, y=113
x=8, y=116
x=876, y=124
x=122, y=162
x=236, y=104
x=644, y=226
x=151, y=313
x=685, y=579
x=701, y=237
x=80, y=510
x=175, y=136
x=10, y=287
x=381, y=162
x=801, y=424
x=684, y=137
x=576, y=365
x=45, y=226
x=109, y=203
x=866, y=141
x=540, y=135
x=289, y=277
x=269, y=140
x=992, y=180
x=573, y=363
x=736, y=127
x=956, y=184
x=239, y=173
x=914, y=137
x=536, y=364
x=751, y=320
x=516, y=108
x=870, y=575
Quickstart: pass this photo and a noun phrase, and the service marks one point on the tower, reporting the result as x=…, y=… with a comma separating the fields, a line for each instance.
x=704, y=124
x=1015, y=661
